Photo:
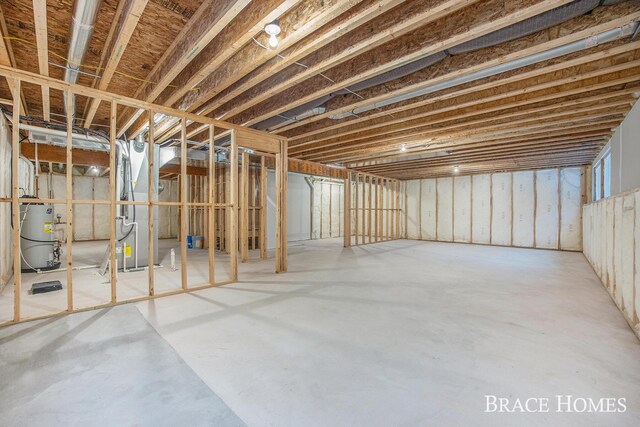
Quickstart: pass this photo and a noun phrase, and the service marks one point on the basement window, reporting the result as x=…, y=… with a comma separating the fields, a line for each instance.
x=606, y=174
x=597, y=183
x=602, y=177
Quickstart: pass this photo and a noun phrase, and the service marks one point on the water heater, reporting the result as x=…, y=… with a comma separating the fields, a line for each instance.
x=37, y=245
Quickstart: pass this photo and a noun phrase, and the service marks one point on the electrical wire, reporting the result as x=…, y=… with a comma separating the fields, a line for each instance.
x=53, y=125
x=92, y=67
x=322, y=75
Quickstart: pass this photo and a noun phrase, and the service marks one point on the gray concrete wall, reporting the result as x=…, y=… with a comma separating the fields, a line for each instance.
x=624, y=146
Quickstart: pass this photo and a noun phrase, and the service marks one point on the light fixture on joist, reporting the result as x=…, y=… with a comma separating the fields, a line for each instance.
x=273, y=29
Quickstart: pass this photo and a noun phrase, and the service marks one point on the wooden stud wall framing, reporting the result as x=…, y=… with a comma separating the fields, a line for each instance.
x=374, y=203
x=152, y=200
x=215, y=198
x=611, y=232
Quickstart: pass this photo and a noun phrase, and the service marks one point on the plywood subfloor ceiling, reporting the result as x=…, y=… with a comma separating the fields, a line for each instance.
x=332, y=84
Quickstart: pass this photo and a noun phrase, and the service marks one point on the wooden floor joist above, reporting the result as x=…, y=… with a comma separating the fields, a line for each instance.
x=399, y=88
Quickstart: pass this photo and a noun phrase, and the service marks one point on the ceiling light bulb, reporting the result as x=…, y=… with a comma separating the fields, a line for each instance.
x=273, y=41
x=273, y=28
x=403, y=148
x=456, y=168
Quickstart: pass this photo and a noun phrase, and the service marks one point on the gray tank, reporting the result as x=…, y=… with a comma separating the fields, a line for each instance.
x=36, y=237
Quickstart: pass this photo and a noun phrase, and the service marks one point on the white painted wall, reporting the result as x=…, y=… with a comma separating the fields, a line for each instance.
x=625, y=153
x=528, y=209
x=298, y=208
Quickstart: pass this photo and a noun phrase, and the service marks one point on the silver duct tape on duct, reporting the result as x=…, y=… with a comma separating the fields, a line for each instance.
x=82, y=25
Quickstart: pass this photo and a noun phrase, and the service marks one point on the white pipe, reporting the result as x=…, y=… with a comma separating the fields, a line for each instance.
x=124, y=257
x=173, y=259
x=62, y=133
x=83, y=267
x=566, y=49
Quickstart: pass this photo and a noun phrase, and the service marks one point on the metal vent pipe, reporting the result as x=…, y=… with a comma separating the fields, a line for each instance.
x=82, y=25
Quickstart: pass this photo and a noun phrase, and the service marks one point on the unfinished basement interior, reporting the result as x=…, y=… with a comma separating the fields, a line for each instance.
x=320, y=212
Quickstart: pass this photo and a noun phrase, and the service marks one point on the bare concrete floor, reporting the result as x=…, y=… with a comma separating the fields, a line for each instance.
x=396, y=333
x=91, y=289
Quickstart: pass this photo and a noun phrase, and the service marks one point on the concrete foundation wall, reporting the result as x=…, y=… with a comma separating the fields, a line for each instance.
x=611, y=230
x=538, y=209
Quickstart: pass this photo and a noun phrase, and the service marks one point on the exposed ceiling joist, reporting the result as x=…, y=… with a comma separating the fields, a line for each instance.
x=127, y=19
x=402, y=20
x=208, y=22
x=531, y=79
x=327, y=35
x=602, y=20
x=40, y=19
x=451, y=30
x=7, y=59
x=298, y=24
x=490, y=128
x=453, y=123
x=231, y=40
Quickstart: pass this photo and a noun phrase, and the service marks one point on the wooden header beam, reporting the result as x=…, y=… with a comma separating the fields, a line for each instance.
x=25, y=76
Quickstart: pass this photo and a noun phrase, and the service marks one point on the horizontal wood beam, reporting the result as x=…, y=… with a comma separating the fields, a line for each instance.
x=403, y=20
x=76, y=89
x=572, y=76
x=478, y=147
x=485, y=126
x=600, y=127
x=209, y=20
x=600, y=20
x=453, y=121
x=303, y=21
x=122, y=30
x=249, y=23
x=502, y=165
x=328, y=35
x=453, y=29
x=55, y=154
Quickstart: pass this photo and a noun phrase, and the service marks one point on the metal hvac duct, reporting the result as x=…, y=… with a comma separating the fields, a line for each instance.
x=82, y=24
x=576, y=46
x=529, y=26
